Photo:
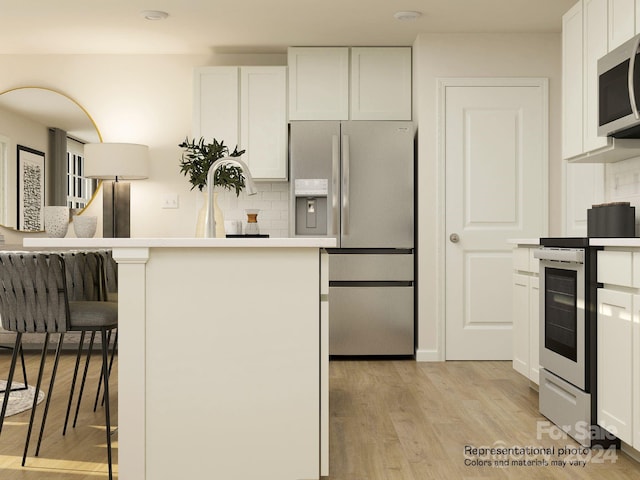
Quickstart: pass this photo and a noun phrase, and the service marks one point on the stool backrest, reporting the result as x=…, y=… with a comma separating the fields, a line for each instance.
x=33, y=293
x=84, y=276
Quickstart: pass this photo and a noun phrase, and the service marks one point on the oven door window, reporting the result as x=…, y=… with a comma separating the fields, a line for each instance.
x=560, y=312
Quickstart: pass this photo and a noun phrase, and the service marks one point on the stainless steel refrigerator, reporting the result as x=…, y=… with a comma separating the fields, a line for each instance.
x=354, y=181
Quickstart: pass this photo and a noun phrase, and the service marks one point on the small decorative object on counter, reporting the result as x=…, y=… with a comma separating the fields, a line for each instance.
x=85, y=226
x=56, y=221
x=252, y=227
x=233, y=227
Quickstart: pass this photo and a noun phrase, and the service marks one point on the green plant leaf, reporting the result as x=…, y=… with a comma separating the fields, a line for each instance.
x=197, y=158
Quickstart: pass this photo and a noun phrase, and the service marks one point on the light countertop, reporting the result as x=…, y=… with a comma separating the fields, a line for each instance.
x=44, y=242
x=632, y=242
x=523, y=241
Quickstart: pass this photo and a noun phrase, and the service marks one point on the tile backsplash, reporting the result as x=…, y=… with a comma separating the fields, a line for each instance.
x=272, y=200
x=622, y=184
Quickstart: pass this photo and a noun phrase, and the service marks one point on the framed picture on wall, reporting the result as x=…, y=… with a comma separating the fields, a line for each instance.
x=30, y=189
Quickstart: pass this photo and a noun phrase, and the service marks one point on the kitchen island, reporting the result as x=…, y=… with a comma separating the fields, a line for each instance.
x=223, y=356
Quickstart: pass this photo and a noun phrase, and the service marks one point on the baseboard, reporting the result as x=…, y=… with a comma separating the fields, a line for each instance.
x=428, y=356
x=630, y=451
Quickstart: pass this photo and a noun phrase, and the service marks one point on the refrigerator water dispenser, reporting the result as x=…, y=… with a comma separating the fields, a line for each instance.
x=311, y=206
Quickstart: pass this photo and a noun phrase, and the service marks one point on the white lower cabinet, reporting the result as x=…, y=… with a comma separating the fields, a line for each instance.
x=615, y=361
x=618, y=333
x=526, y=320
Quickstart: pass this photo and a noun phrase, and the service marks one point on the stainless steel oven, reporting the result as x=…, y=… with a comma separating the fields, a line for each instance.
x=562, y=327
x=568, y=343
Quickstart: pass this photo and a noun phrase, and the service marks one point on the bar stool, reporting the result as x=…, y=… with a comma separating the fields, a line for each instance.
x=35, y=297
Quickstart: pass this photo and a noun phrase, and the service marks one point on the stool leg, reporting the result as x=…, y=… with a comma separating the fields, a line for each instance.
x=113, y=354
x=35, y=397
x=24, y=367
x=107, y=413
x=12, y=368
x=73, y=382
x=84, y=377
x=53, y=379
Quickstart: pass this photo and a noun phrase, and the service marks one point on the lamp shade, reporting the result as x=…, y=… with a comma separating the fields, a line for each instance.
x=108, y=161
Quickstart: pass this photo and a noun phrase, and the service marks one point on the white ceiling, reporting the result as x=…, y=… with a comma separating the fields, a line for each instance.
x=253, y=26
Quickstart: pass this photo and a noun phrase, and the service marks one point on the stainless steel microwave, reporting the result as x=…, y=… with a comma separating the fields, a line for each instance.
x=619, y=91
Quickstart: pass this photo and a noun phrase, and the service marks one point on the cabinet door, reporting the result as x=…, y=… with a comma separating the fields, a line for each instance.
x=381, y=83
x=595, y=46
x=263, y=113
x=215, y=105
x=521, y=324
x=534, y=330
x=622, y=16
x=635, y=407
x=572, y=82
x=318, y=83
x=615, y=362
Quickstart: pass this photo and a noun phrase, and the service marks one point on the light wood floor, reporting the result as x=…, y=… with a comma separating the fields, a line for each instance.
x=403, y=420
x=82, y=453
x=390, y=420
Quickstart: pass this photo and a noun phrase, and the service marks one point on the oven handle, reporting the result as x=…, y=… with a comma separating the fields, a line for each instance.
x=559, y=255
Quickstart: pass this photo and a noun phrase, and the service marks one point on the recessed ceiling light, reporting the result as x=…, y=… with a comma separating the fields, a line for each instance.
x=153, y=15
x=406, y=16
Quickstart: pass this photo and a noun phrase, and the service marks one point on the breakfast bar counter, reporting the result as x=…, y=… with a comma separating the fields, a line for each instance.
x=223, y=356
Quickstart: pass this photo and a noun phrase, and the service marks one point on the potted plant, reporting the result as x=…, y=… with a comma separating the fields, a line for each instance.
x=198, y=157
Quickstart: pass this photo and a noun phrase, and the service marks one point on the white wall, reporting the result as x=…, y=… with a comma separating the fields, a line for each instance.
x=469, y=55
x=19, y=131
x=140, y=99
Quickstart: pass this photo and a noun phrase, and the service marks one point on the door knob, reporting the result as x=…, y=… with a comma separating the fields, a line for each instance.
x=454, y=238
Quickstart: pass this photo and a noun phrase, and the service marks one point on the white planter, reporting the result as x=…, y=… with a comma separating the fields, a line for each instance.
x=85, y=226
x=56, y=221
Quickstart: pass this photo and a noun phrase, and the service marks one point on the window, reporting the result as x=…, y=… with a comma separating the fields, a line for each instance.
x=79, y=188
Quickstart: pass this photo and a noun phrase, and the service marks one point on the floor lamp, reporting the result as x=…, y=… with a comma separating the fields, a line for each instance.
x=113, y=163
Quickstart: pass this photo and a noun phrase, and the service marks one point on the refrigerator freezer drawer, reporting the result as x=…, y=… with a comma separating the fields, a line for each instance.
x=370, y=267
x=371, y=320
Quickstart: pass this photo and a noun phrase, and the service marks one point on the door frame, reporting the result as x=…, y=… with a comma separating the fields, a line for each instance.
x=441, y=268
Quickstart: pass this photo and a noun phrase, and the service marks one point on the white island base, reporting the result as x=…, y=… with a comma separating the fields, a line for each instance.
x=223, y=357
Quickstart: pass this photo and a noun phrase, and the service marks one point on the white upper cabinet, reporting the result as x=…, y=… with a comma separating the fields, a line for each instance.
x=215, y=106
x=622, y=25
x=318, y=83
x=342, y=83
x=263, y=120
x=381, y=83
x=591, y=29
x=595, y=46
x=572, y=103
x=245, y=106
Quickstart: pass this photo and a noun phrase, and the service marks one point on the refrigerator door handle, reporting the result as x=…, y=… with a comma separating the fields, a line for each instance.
x=335, y=183
x=345, y=185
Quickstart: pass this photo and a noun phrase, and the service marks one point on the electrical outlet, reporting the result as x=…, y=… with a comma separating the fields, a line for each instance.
x=169, y=200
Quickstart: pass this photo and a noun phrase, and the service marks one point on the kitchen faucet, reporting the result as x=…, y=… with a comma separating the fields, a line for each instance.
x=210, y=221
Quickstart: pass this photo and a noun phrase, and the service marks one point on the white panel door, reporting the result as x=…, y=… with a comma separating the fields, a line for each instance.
x=495, y=154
